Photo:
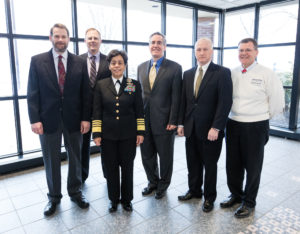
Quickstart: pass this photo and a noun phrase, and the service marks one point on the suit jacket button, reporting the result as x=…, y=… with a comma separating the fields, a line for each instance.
x=117, y=104
x=117, y=97
x=117, y=118
x=117, y=111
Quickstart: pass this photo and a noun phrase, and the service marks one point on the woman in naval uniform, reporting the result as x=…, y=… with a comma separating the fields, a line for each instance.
x=118, y=126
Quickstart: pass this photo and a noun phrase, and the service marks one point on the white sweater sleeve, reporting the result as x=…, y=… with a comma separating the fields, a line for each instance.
x=275, y=95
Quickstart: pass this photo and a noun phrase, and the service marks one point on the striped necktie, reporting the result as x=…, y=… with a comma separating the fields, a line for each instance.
x=93, y=72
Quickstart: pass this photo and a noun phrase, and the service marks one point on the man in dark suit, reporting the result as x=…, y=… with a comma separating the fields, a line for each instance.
x=205, y=104
x=58, y=99
x=98, y=69
x=161, y=84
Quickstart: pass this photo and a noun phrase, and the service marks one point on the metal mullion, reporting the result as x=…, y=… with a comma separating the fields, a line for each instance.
x=14, y=78
x=75, y=25
x=294, y=109
x=195, y=33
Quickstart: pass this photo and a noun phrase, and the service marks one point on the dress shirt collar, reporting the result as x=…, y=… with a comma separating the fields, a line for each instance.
x=115, y=80
x=64, y=54
x=158, y=62
x=205, y=66
x=250, y=67
x=97, y=55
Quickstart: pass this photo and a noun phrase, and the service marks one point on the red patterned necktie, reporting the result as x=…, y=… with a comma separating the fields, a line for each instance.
x=244, y=71
x=61, y=74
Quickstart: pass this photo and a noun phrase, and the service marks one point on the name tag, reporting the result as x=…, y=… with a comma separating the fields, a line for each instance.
x=256, y=81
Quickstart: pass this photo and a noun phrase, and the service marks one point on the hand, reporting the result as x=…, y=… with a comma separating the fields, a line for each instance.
x=97, y=141
x=139, y=140
x=171, y=127
x=37, y=128
x=180, y=131
x=84, y=127
x=213, y=134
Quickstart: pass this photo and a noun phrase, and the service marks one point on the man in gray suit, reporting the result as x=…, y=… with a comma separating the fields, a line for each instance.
x=161, y=84
x=98, y=70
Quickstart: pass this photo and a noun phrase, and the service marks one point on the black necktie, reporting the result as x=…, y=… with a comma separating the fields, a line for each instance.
x=118, y=87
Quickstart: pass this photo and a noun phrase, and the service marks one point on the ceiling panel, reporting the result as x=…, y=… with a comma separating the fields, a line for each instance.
x=223, y=4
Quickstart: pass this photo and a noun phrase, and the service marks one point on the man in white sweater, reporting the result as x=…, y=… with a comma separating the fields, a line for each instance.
x=257, y=96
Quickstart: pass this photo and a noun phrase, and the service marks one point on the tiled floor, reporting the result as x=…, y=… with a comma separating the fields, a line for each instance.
x=23, y=197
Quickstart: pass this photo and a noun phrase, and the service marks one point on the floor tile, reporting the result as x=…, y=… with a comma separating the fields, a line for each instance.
x=52, y=225
x=9, y=221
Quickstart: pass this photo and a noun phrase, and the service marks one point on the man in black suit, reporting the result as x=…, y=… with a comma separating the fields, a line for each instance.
x=161, y=81
x=58, y=99
x=95, y=60
x=205, y=104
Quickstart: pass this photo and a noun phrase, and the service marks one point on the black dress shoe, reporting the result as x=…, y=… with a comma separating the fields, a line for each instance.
x=113, y=207
x=81, y=201
x=207, y=206
x=148, y=190
x=231, y=201
x=127, y=206
x=243, y=211
x=50, y=208
x=160, y=194
x=187, y=196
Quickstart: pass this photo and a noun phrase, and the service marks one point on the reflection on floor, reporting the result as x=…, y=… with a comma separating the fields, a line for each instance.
x=23, y=197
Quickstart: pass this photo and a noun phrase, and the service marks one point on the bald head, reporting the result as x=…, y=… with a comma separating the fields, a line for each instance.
x=203, y=51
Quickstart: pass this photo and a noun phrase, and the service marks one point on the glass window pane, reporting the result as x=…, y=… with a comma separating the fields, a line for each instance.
x=30, y=140
x=25, y=49
x=136, y=56
x=208, y=26
x=283, y=65
x=144, y=18
x=282, y=120
x=5, y=81
x=215, y=56
x=105, y=48
x=2, y=18
x=278, y=23
x=104, y=15
x=8, y=131
x=40, y=16
x=230, y=58
x=179, y=25
x=238, y=25
x=183, y=56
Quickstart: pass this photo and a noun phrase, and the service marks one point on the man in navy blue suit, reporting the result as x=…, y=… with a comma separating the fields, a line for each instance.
x=58, y=97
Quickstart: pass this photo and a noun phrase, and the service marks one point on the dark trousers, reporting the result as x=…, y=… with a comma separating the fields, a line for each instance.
x=245, y=152
x=51, y=148
x=119, y=154
x=163, y=145
x=85, y=156
x=203, y=154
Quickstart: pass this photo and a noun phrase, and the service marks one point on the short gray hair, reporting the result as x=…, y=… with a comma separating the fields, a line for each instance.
x=160, y=34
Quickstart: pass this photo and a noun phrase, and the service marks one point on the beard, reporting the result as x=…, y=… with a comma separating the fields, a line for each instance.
x=60, y=47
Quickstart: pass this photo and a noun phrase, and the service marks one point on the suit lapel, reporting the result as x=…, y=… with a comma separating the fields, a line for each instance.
x=145, y=76
x=206, y=79
x=69, y=69
x=190, y=85
x=111, y=86
x=101, y=64
x=50, y=65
